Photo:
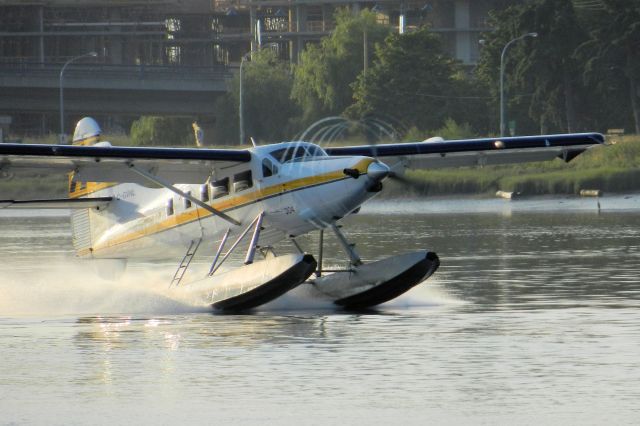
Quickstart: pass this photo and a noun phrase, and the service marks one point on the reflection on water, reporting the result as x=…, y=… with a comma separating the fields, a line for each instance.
x=532, y=318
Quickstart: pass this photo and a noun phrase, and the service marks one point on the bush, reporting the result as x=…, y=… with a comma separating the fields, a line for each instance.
x=163, y=131
x=453, y=131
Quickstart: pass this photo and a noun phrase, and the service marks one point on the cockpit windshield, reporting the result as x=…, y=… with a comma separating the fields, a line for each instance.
x=297, y=153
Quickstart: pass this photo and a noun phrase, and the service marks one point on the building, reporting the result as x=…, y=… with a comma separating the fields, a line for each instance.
x=174, y=56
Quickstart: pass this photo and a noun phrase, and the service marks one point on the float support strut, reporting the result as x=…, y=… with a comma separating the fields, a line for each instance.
x=320, y=253
x=254, y=240
x=348, y=248
x=219, y=252
x=235, y=244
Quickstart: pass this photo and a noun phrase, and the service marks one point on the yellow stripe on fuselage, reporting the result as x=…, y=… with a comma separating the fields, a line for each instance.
x=87, y=141
x=231, y=203
x=82, y=189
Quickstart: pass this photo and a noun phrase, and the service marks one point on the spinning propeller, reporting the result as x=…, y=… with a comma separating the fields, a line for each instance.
x=330, y=129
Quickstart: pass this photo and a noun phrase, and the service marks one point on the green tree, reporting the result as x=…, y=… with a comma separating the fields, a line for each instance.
x=543, y=71
x=612, y=60
x=323, y=78
x=415, y=80
x=268, y=108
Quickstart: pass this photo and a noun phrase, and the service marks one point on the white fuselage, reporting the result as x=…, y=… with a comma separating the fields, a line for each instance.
x=298, y=191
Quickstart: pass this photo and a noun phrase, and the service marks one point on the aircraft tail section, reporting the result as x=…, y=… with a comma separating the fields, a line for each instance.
x=87, y=223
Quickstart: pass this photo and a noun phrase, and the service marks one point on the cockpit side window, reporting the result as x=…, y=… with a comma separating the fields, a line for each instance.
x=268, y=168
x=315, y=151
x=295, y=153
x=282, y=155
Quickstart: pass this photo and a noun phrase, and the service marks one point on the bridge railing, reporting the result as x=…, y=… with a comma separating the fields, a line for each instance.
x=47, y=69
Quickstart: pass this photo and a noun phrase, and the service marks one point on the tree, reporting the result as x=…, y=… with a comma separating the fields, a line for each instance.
x=266, y=87
x=612, y=63
x=323, y=78
x=545, y=67
x=415, y=80
x=163, y=131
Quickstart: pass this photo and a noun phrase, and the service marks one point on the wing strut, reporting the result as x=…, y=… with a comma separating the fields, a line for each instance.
x=165, y=184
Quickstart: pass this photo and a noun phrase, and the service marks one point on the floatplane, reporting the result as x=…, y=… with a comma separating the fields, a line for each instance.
x=157, y=204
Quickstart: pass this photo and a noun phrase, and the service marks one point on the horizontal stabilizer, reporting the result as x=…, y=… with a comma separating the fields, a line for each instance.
x=59, y=203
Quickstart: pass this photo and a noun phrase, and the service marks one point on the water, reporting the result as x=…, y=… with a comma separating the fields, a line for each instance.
x=532, y=318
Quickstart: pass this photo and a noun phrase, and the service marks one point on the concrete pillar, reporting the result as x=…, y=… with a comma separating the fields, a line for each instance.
x=462, y=23
x=252, y=25
x=293, y=41
x=326, y=15
x=301, y=26
x=116, y=51
x=41, y=38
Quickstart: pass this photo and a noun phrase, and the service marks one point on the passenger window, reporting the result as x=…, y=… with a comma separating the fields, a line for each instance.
x=268, y=168
x=220, y=188
x=187, y=202
x=204, y=193
x=242, y=181
x=170, y=207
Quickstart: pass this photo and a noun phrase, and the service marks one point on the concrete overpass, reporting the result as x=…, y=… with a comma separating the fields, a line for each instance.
x=111, y=89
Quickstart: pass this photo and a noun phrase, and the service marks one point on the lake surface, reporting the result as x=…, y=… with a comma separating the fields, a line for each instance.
x=532, y=318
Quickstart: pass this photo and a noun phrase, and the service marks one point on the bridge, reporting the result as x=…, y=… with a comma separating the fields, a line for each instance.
x=111, y=89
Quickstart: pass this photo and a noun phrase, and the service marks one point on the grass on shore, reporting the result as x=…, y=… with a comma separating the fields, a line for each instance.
x=611, y=168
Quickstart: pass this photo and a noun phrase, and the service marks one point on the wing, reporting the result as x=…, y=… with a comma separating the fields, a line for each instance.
x=61, y=203
x=113, y=164
x=472, y=152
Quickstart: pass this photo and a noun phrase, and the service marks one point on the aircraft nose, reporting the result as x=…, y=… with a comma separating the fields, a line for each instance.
x=377, y=171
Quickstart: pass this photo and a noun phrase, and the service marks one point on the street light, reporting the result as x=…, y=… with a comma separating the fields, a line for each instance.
x=240, y=108
x=92, y=54
x=502, y=106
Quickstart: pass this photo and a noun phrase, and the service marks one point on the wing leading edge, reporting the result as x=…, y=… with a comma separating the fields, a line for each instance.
x=473, y=152
x=112, y=164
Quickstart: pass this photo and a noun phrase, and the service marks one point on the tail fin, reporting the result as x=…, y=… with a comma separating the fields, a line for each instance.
x=87, y=132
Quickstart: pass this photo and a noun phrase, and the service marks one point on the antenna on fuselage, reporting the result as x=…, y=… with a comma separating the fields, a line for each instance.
x=253, y=142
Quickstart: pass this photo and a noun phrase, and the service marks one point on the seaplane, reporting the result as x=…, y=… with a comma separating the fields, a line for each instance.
x=173, y=204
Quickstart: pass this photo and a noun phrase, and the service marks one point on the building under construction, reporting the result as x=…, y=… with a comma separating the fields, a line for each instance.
x=174, y=57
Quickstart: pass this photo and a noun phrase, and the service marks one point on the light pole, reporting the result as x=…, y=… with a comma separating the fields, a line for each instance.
x=75, y=58
x=502, y=106
x=240, y=107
